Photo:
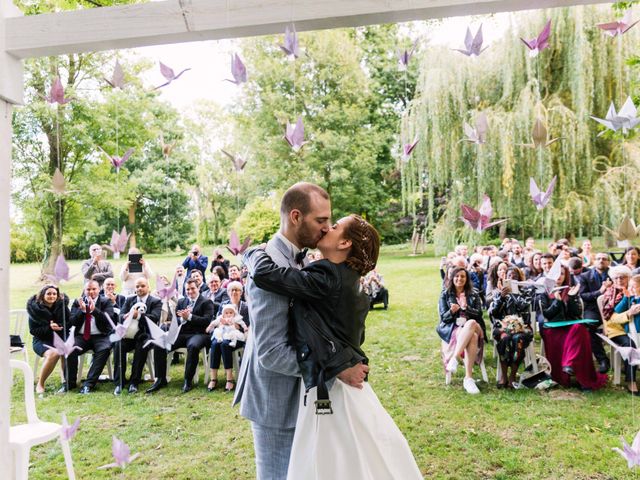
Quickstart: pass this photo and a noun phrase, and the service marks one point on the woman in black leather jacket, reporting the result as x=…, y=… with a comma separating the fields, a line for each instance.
x=48, y=313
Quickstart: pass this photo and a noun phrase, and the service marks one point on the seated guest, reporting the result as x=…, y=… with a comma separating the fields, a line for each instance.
x=587, y=255
x=576, y=269
x=631, y=258
x=221, y=272
x=567, y=348
x=116, y=299
x=593, y=284
x=546, y=262
x=219, y=261
x=511, y=327
x=228, y=333
x=137, y=336
x=495, y=279
x=533, y=270
x=194, y=314
x=626, y=306
x=477, y=275
x=196, y=261
x=462, y=251
x=461, y=326
x=89, y=316
x=516, y=256
x=530, y=242
x=374, y=288
x=180, y=279
x=216, y=293
x=48, y=313
x=129, y=278
x=95, y=268
x=234, y=276
x=445, y=264
x=197, y=276
x=613, y=322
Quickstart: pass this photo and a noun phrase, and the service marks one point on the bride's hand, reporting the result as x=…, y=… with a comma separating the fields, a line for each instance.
x=355, y=375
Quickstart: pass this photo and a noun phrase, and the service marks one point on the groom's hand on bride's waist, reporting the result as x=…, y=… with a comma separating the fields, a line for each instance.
x=355, y=375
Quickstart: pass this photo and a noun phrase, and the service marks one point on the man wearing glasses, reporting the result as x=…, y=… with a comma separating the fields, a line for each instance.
x=95, y=268
x=593, y=283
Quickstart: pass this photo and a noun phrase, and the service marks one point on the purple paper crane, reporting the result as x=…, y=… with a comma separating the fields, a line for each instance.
x=60, y=271
x=613, y=29
x=118, y=161
x=234, y=244
x=477, y=134
x=169, y=75
x=408, y=148
x=117, y=79
x=121, y=455
x=539, y=136
x=479, y=220
x=166, y=292
x=294, y=135
x=238, y=162
x=473, y=44
x=62, y=347
x=536, y=45
x=56, y=94
x=631, y=453
x=541, y=199
x=238, y=70
x=404, y=57
x=291, y=46
x=67, y=432
x=625, y=120
x=119, y=329
x=118, y=241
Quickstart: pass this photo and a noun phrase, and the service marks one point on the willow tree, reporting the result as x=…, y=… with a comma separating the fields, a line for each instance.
x=580, y=73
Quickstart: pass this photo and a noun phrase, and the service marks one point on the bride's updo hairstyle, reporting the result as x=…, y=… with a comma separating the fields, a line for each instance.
x=365, y=244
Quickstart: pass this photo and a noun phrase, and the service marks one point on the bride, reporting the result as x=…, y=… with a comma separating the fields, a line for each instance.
x=341, y=432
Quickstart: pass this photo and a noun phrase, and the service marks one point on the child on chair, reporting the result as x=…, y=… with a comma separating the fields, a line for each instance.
x=228, y=326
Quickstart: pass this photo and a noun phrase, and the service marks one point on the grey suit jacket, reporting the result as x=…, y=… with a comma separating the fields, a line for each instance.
x=269, y=380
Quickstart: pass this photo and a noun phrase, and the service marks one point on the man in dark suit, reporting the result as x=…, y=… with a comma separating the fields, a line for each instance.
x=194, y=314
x=593, y=283
x=153, y=309
x=117, y=300
x=89, y=317
x=197, y=276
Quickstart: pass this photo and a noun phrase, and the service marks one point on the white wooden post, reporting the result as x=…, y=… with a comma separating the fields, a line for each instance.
x=11, y=88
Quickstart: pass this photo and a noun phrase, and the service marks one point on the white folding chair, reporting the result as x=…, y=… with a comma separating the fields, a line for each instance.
x=615, y=358
x=483, y=371
x=19, y=325
x=204, y=354
x=83, y=358
x=24, y=436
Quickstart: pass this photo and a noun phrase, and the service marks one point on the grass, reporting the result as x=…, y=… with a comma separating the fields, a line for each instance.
x=500, y=435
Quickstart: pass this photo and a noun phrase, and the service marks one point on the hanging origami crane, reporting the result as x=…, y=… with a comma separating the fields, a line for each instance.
x=541, y=199
x=477, y=134
x=118, y=161
x=161, y=338
x=626, y=231
x=117, y=79
x=625, y=119
x=167, y=291
x=238, y=70
x=631, y=453
x=119, y=329
x=473, y=44
x=121, y=454
x=67, y=432
x=408, y=148
x=539, y=136
x=56, y=94
x=620, y=27
x=536, y=45
x=238, y=162
x=291, y=46
x=60, y=271
x=234, y=244
x=118, y=241
x=294, y=135
x=404, y=57
x=64, y=348
x=167, y=148
x=169, y=75
x=479, y=220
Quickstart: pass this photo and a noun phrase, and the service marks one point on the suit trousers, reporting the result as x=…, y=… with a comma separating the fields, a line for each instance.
x=194, y=342
x=120, y=350
x=101, y=347
x=272, y=449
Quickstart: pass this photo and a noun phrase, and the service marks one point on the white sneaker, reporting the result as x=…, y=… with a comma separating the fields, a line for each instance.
x=452, y=365
x=470, y=386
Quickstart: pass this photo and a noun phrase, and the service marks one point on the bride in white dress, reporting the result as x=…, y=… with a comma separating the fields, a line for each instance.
x=358, y=440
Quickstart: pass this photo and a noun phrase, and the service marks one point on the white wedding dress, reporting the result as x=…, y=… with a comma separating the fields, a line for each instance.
x=359, y=441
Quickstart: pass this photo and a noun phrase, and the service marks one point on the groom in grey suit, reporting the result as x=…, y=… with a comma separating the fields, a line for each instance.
x=269, y=380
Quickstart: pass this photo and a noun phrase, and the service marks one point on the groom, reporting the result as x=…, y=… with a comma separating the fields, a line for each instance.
x=269, y=380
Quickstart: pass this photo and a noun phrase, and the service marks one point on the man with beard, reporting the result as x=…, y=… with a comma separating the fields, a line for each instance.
x=269, y=380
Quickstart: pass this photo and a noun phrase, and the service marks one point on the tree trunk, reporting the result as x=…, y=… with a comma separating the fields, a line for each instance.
x=132, y=223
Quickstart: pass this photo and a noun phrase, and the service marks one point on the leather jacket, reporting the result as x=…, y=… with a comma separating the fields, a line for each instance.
x=326, y=315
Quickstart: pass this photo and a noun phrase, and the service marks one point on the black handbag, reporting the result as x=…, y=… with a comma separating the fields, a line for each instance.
x=445, y=329
x=16, y=341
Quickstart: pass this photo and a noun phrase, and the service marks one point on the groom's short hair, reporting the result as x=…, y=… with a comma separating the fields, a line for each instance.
x=298, y=197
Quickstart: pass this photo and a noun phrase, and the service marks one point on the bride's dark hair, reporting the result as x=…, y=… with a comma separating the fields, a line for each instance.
x=365, y=244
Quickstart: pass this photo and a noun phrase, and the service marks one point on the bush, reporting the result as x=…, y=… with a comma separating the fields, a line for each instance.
x=25, y=246
x=260, y=219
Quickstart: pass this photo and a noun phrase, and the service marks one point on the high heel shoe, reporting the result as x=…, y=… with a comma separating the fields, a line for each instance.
x=212, y=385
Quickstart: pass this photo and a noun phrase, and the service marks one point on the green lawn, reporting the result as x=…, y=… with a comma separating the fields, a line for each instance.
x=498, y=434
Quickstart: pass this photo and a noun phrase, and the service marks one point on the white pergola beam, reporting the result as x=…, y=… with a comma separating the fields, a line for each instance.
x=176, y=21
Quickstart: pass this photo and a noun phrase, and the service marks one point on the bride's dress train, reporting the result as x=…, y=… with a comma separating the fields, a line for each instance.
x=359, y=441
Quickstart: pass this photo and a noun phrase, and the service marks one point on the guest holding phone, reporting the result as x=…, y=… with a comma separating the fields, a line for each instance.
x=129, y=273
